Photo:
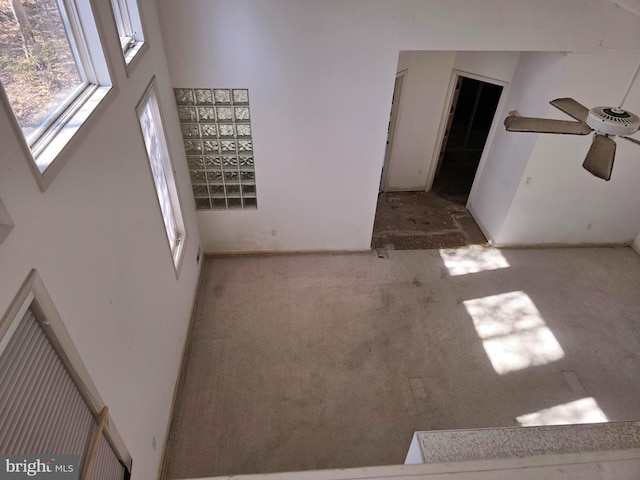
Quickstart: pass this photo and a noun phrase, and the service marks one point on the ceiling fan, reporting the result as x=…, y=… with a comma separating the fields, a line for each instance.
x=606, y=122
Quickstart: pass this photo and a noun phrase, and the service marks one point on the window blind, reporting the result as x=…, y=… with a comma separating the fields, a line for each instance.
x=42, y=412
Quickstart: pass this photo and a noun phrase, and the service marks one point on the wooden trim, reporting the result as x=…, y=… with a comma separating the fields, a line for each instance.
x=185, y=346
x=97, y=435
x=230, y=253
x=562, y=245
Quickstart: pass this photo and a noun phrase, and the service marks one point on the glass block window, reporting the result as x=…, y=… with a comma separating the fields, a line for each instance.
x=216, y=130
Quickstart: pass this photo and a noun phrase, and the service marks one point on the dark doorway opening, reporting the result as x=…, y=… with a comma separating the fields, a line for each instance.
x=473, y=107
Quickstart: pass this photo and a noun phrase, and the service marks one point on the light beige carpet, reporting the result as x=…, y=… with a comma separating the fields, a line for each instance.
x=301, y=362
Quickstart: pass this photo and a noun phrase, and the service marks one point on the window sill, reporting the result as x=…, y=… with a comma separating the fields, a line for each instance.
x=51, y=158
x=133, y=55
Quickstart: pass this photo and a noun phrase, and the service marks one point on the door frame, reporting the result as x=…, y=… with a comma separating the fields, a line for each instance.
x=455, y=74
x=393, y=117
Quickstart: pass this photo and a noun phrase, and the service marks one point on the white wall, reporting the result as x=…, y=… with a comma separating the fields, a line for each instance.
x=494, y=65
x=508, y=154
x=416, y=144
x=562, y=202
x=321, y=77
x=97, y=239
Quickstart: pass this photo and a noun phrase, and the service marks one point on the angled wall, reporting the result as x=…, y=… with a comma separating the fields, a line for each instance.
x=97, y=239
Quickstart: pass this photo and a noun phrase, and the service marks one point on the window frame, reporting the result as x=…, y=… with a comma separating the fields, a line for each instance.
x=79, y=50
x=176, y=250
x=131, y=31
x=123, y=23
x=48, y=147
x=33, y=295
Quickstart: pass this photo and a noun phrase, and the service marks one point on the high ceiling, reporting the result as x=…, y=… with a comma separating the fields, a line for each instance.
x=632, y=6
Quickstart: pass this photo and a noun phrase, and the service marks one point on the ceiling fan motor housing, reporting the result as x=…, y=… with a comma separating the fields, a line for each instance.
x=613, y=121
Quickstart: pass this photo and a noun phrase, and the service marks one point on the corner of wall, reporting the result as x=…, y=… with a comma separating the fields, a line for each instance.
x=636, y=244
x=535, y=77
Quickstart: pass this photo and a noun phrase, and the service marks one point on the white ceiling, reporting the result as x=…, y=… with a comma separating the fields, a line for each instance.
x=632, y=6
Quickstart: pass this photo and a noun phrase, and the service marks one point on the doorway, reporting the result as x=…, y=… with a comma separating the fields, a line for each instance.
x=473, y=107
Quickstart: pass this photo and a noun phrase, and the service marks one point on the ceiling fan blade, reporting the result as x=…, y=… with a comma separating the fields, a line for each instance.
x=545, y=125
x=599, y=160
x=571, y=108
x=637, y=142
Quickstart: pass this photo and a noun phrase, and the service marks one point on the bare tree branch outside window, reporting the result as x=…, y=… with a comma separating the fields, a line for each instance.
x=37, y=66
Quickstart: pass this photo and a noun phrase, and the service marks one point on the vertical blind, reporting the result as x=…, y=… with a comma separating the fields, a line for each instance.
x=42, y=412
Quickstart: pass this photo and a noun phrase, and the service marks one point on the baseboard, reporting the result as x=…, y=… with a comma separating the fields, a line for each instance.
x=635, y=244
x=249, y=253
x=563, y=245
x=419, y=188
x=176, y=387
x=232, y=253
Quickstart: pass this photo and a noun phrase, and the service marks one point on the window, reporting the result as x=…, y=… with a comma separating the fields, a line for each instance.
x=50, y=406
x=52, y=70
x=216, y=129
x=153, y=132
x=127, y=16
